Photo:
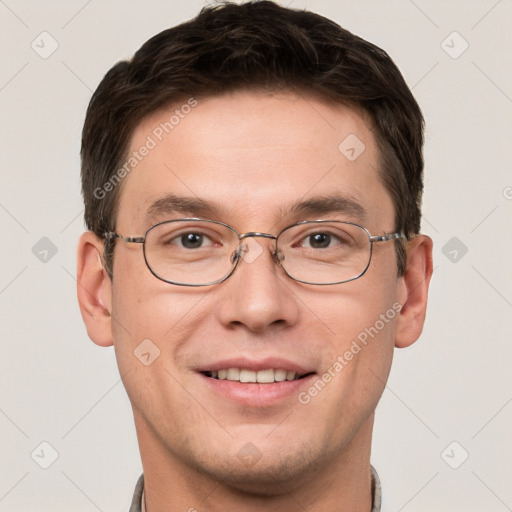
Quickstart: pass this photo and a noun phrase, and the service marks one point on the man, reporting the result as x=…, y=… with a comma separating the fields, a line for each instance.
x=252, y=182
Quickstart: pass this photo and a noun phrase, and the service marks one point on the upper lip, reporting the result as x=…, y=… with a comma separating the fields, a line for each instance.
x=276, y=363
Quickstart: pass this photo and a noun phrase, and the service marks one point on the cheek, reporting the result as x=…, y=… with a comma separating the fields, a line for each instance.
x=361, y=350
x=360, y=311
x=150, y=314
x=144, y=305
x=359, y=322
x=151, y=324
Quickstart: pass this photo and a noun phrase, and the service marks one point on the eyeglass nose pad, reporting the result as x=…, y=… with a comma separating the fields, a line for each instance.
x=242, y=249
x=237, y=253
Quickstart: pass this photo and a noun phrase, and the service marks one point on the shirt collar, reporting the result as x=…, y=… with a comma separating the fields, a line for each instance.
x=376, y=491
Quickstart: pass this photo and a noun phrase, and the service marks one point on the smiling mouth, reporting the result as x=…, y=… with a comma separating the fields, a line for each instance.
x=243, y=375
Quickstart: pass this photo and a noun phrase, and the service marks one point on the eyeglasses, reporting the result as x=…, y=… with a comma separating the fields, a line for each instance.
x=198, y=252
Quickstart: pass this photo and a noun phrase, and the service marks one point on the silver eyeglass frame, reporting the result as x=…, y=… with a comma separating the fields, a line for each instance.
x=236, y=256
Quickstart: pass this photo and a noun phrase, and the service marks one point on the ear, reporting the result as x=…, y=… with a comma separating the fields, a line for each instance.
x=94, y=290
x=414, y=292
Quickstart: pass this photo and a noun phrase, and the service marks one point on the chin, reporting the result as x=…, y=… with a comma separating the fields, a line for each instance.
x=271, y=475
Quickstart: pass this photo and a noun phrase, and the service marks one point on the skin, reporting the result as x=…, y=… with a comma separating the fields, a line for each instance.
x=253, y=153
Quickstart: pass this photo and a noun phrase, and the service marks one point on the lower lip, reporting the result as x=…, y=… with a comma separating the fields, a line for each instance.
x=256, y=394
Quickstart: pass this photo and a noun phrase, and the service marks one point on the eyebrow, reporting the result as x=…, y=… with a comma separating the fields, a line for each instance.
x=196, y=207
x=321, y=205
x=184, y=205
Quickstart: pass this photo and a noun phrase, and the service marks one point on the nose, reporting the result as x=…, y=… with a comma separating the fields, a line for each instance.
x=259, y=294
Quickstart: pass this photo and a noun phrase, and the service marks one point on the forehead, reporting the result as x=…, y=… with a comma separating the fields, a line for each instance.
x=252, y=156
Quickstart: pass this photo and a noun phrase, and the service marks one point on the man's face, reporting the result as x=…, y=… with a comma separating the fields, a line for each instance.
x=252, y=156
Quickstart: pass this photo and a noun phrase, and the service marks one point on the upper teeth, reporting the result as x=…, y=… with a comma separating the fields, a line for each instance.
x=263, y=376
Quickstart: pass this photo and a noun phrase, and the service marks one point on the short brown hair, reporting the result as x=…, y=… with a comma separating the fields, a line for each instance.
x=258, y=44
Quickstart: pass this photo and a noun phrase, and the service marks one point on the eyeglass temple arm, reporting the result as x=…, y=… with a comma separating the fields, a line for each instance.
x=385, y=238
x=129, y=239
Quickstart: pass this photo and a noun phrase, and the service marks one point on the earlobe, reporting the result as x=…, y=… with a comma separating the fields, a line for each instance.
x=415, y=284
x=94, y=290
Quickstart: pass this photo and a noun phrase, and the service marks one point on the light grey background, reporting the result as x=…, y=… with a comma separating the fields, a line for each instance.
x=453, y=385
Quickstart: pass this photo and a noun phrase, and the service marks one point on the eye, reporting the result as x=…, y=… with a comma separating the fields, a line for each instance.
x=191, y=240
x=323, y=240
x=319, y=240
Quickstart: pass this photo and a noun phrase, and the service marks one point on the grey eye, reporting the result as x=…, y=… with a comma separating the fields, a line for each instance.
x=192, y=240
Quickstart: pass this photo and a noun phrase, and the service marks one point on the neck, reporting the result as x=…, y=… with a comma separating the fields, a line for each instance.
x=341, y=482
